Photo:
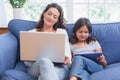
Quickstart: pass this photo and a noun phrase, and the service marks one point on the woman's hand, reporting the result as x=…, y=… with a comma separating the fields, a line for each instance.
x=102, y=60
x=66, y=60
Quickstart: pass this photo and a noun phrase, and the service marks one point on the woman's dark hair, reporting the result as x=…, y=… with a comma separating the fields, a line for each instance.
x=78, y=24
x=61, y=20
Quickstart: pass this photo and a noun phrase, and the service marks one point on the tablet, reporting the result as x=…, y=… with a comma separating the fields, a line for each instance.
x=92, y=56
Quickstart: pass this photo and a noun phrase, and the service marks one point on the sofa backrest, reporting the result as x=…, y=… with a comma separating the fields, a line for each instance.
x=108, y=34
x=17, y=25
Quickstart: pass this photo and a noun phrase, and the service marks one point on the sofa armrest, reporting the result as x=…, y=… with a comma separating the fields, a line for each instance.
x=8, y=51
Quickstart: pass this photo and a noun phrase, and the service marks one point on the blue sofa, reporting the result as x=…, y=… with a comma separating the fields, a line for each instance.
x=11, y=68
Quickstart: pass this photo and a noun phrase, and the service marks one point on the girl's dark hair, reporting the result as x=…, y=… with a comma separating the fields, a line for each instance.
x=78, y=24
x=61, y=20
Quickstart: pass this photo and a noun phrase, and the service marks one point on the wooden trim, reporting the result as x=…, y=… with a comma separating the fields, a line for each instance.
x=3, y=30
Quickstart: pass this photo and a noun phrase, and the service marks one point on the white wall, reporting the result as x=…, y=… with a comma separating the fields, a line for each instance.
x=3, y=16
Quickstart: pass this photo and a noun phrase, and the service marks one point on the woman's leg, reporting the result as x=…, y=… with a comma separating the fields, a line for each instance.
x=34, y=70
x=47, y=70
x=63, y=72
x=44, y=69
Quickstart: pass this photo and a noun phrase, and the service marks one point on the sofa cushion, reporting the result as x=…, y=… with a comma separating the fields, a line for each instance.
x=113, y=65
x=17, y=25
x=108, y=74
x=8, y=50
x=16, y=75
x=69, y=28
x=108, y=34
x=21, y=66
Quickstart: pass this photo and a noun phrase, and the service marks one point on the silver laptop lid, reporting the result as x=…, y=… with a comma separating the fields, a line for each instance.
x=34, y=45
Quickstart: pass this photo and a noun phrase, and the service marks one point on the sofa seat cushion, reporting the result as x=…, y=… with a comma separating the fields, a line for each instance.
x=16, y=75
x=107, y=74
x=113, y=65
x=21, y=66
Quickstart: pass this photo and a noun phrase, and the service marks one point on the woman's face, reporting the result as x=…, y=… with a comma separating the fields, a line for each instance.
x=82, y=33
x=51, y=16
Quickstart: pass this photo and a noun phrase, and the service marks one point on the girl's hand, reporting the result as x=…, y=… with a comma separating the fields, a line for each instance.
x=102, y=60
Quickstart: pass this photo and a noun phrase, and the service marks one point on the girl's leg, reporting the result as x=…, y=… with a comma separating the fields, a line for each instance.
x=77, y=69
x=47, y=70
x=81, y=65
x=73, y=78
x=92, y=66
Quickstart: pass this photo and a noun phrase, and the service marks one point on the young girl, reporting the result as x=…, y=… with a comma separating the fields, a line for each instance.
x=81, y=42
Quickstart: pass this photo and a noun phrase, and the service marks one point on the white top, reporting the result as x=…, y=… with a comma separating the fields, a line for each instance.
x=67, y=45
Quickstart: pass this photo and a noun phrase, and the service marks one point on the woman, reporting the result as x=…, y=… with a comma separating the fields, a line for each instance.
x=83, y=43
x=51, y=20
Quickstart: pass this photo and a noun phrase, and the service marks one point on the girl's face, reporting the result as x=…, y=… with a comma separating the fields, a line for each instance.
x=51, y=16
x=82, y=33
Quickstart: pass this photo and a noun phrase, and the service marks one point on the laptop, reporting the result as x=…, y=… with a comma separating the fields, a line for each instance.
x=35, y=45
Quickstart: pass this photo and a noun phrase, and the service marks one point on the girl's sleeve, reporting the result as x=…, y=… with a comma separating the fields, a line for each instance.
x=97, y=45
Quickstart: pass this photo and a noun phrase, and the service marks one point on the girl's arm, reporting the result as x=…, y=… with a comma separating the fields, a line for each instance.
x=102, y=59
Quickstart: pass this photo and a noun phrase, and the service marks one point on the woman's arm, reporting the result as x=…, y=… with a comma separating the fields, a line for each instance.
x=67, y=50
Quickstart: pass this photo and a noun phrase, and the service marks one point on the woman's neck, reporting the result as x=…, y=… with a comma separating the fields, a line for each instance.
x=47, y=29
